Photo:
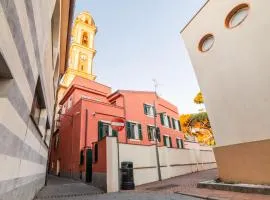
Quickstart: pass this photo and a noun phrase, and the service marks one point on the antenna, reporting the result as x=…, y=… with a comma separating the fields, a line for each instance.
x=156, y=84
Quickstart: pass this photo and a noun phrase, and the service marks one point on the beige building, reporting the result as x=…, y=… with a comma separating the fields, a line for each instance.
x=33, y=43
x=81, y=51
x=228, y=43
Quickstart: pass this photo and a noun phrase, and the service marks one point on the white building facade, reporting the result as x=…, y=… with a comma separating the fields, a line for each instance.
x=229, y=46
x=31, y=59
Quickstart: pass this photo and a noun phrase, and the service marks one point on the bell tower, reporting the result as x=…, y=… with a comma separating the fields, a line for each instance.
x=82, y=51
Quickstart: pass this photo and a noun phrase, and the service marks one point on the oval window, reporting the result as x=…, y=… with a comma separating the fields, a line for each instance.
x=237, y=15
x=206, y=42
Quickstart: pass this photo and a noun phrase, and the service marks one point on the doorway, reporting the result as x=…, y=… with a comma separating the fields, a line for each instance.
x=89, y=165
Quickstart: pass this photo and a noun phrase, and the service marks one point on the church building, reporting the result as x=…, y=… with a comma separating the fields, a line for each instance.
x=87, y=108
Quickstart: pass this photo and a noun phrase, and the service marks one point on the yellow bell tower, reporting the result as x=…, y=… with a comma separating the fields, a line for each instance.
x=82, y=51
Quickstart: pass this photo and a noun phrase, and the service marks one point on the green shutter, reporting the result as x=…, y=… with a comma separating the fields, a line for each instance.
x=161, y=118
x=182, y=144
x=140, y=131
x=169, y=121
x=144, y=108
x=179, y=125
x=173, y=123
x=114, y=133
x=170, y=139
x=100, y=130
x=177, y=143
x=128, y=131
x=149, y=132
x=164, y=140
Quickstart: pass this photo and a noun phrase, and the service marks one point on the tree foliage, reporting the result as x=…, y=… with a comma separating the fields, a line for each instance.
x=197, y=125
x=199, y=98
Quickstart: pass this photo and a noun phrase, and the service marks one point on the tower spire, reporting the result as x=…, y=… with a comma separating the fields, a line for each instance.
x=82, y=51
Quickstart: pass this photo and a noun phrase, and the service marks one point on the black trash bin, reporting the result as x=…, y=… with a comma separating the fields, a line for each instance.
x=127, y=176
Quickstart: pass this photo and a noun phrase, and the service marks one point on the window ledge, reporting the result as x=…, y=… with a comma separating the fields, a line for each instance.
x=136, y=140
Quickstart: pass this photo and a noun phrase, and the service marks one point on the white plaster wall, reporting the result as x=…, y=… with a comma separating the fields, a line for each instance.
x=174, y=162
x=234, y=75
x=112, y=165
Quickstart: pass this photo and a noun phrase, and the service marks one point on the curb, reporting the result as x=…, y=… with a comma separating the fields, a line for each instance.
x=199, y=196
x=234, y=188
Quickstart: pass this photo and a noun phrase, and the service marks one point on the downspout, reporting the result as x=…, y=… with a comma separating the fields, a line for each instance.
x=125, y=114
x=86, y=128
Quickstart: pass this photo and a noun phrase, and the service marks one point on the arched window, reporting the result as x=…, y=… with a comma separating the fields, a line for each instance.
x=86, y=21
x=85, y=39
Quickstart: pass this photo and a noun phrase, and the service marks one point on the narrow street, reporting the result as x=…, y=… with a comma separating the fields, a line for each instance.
x=67, y=189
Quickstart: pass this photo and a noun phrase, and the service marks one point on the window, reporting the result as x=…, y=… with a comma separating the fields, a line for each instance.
x=148, y=110
x=105, y=129
x=69, y=102
x=180, y=143
x=151, y=133
x=56, y=142
x=206, y=43
x=64, y=109
x=85, y=39
x=167, y=141
x=38, y=104
x=134, y=130
x=81, y=157
x=165, y=120
x=176, y=124
x=237, y=16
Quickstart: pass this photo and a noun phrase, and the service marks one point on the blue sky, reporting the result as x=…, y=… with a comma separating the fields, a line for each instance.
x=140, y=40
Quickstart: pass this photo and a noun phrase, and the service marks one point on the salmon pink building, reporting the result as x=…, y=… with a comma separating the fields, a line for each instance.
x=87, y=110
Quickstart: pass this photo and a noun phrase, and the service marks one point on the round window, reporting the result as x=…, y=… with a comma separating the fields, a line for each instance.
x=237, y=15
x=206, y=42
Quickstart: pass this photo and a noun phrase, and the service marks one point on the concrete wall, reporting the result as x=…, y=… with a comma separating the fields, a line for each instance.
x=174, y=162
x=25, y=58
x=234, y=76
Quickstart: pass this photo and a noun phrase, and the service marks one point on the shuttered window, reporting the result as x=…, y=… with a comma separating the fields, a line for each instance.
x=169, y=121
x=162, y=118
x=105, y=129
x=173, y=123
x=180, y=143
x=148, y=110
x=151, y=133
x=179, y=125
x=167, y=141
x=134, y=131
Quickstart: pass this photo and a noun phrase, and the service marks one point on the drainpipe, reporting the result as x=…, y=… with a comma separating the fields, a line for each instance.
x=86, y=128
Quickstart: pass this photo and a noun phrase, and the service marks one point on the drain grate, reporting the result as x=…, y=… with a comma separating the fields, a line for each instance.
x=163, y=187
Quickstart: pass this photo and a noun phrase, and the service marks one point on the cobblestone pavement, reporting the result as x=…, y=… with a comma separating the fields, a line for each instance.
x=67, y=189
x=187, y=184
x=63, y=188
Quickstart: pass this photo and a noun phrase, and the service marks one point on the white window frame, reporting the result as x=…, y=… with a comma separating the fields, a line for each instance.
x=176, y=125
x=165, y=119
x=168, y=144
x=181, y=145
x=135, y=131
x=153, y=134
x=152, y=112
x=109, y=124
